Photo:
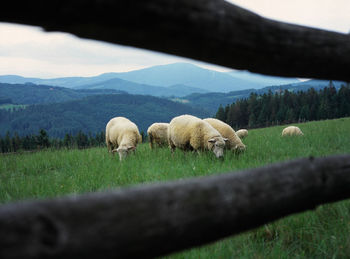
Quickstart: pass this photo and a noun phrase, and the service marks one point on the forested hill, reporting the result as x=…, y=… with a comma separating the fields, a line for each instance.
x=91, y=114
x=212, y=101
x=39, y=94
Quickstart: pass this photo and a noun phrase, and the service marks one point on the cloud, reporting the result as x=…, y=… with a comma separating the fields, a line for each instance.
x=29, y=51
x=325, y=14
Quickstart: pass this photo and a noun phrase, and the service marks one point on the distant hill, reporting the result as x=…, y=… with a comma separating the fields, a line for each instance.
x=212, y=101
x=30, y=93
x=192, y=78
x=263, y=80
x=187, y=74
x=91, y=114
x=68, y=82
x=144, y=89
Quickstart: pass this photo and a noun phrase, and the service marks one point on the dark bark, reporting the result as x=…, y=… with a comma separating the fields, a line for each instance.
x=157, y=219
x=213, y=31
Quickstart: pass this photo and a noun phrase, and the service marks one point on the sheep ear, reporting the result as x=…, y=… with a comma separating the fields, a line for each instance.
x=211, y=140
x=131, y=148
x=115, y=150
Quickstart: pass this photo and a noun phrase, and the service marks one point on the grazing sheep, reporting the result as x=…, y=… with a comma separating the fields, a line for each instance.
x=158, y=133
x=292, y=131
x=189, y=132
x=122, y=136
x=234, y=143
x=242, y=133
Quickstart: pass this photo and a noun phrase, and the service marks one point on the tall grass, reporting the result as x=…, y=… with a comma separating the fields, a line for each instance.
x=322, y=233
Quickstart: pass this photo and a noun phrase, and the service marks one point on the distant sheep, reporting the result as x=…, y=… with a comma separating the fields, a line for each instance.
x=158, y=133
x=122, y=136
x=292, y=131
x=188, y=132
x=234, y=143
x=242, y=133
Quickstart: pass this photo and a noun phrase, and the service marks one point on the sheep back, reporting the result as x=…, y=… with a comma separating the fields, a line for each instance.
x=158, y=133
x=292, y=131
x=189, y=132
x=121, y=131
x=234, y=143
x=242, y=133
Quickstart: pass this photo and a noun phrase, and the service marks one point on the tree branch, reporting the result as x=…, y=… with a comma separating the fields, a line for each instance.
x=153, y=220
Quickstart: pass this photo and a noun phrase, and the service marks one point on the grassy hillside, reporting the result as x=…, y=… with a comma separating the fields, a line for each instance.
x=322, y=233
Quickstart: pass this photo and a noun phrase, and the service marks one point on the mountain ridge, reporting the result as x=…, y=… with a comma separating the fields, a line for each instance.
x=186, y=74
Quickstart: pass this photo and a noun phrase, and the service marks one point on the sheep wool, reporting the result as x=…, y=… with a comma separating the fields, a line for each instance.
x=242, y=133
x=158, y=134
x=188, y=132
x=292, y=131
x=122, y=136
x=234, y=143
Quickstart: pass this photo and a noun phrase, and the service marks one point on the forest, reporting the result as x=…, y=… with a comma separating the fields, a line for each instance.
x=33, y=142
x=91, y=114
x=257, y=111
x=286, y=107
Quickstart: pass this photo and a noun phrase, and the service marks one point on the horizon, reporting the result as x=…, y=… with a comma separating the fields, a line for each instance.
x=208, y=67
x=29, y=51
x=196, y=65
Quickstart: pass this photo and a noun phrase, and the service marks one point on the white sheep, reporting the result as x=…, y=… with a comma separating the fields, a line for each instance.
x=158, y=133
x=122, y=136
x=234, y=143
x=292, y=131
x=242, y=133
x=188, y=132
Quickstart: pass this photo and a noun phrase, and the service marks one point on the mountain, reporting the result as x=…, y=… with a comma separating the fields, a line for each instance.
x=315, y=83
x=144, y=89
x=262, y=80
x=195, y=78
x=30, y=93
x=212, y=101
x=186, y=74
x=91, y=114
x=68, y=82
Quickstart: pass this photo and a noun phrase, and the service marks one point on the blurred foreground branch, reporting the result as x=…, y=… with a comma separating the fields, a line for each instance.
x=213, y=31
x=153, y=220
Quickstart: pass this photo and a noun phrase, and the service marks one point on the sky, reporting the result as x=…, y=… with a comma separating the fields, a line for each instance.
x=29, y=51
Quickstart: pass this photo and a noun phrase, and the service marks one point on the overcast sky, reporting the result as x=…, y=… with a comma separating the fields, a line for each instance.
x=30, y=52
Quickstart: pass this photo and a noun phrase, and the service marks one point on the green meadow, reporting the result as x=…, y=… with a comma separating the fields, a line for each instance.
x=321, y=233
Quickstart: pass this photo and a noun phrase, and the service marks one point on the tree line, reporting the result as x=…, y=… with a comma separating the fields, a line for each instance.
x=284, y=107
x=14, y=143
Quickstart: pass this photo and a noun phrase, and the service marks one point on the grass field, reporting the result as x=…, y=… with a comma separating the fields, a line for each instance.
x=322, y=233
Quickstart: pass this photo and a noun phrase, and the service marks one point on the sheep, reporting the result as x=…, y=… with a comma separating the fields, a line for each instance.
x=234, y=143
x=242, y=133
x=122, y=136
x=158, y=133
x=292, y=131
x=189, y=132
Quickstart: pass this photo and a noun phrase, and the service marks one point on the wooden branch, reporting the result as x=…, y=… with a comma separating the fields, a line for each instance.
x=213, y=31
x=157, y=219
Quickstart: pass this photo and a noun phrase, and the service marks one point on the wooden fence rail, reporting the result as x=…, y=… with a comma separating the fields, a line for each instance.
x=214, y=31
x=153, y=220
